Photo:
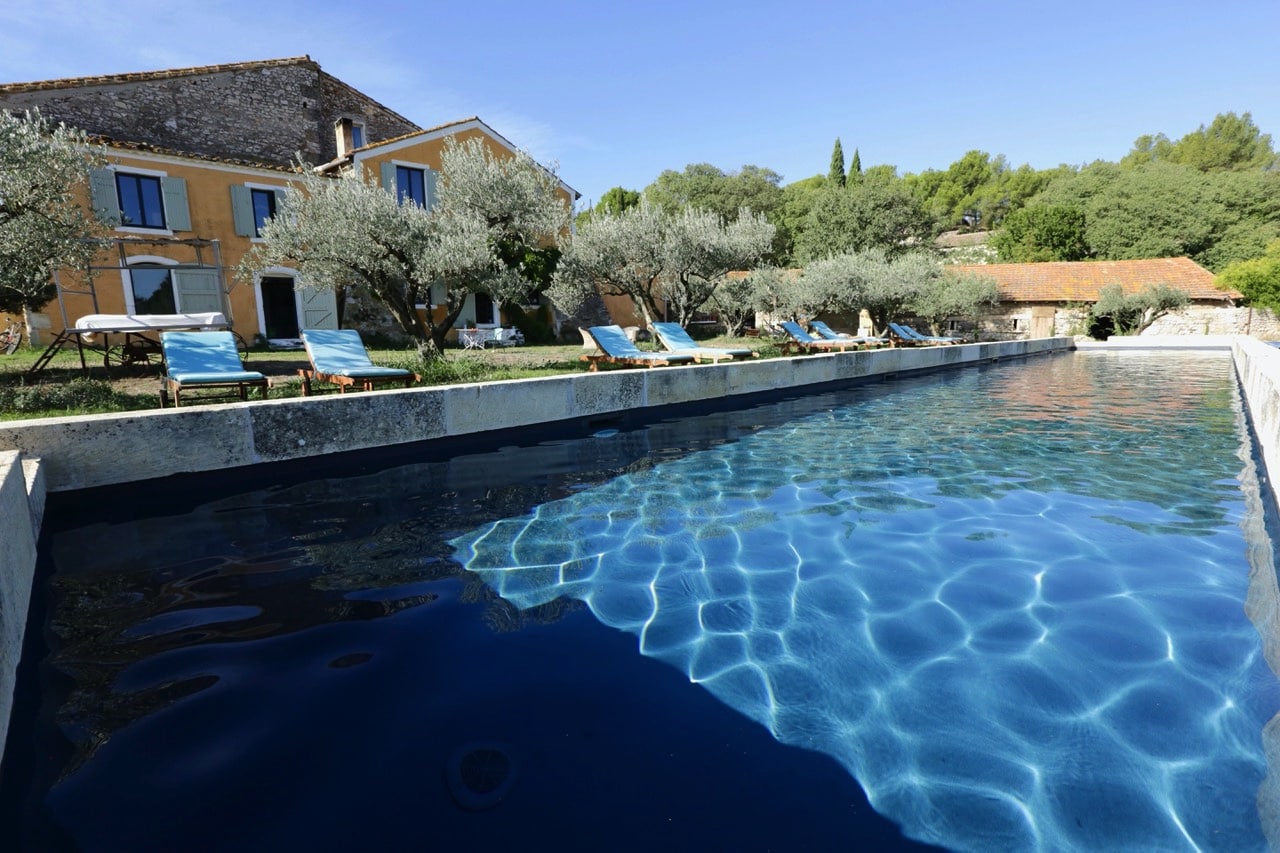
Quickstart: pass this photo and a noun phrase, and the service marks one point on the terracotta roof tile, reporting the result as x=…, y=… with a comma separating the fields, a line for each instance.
x=1081, y=281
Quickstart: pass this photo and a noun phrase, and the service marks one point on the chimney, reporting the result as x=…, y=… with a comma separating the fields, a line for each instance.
x=343, y=132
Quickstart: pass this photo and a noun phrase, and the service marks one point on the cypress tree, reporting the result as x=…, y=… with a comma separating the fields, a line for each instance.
x=855, y=166
x=836, y=174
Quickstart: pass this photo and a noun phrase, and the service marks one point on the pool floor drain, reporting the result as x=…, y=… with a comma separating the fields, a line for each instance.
x=479, y=776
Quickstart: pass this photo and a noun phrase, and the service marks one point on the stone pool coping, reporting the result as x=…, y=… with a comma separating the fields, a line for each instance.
x=83, y=452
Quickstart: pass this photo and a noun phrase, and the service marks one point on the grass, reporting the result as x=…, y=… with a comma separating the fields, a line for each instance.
x=64, y=388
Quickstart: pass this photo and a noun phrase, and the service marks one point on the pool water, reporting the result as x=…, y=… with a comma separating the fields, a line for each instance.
x=1000, y=608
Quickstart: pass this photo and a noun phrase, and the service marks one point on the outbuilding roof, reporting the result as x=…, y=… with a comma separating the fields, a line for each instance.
x=1081, y=281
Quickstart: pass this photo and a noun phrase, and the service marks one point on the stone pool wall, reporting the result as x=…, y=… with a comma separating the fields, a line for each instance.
x=21, y=509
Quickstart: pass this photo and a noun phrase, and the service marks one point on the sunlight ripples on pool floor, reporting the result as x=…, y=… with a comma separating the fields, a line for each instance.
x=1014, y=614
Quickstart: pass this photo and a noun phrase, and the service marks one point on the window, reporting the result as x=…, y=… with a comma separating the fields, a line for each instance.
x=140, y=200
x=252, y=206
x=411, y=185
x=264, y=207
x=357, y=135
x=154, y=286
x=152, y=290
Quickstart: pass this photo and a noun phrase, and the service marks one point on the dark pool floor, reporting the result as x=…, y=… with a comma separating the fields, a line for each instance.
x=608, y=750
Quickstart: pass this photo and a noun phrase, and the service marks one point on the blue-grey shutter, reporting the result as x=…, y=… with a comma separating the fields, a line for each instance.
x=242, y=210
x=429, y=179
x=198, y=290
x=319, y=308
x=102, y=194
x=389, y=177
x=177, y=213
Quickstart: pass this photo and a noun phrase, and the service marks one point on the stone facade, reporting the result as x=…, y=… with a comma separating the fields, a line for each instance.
x=1018, y=321
x=258, y=112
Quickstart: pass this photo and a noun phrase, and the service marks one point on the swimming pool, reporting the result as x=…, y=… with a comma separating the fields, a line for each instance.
x=1008, y=601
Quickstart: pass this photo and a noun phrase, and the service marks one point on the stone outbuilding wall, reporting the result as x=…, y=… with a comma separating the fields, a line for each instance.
x=1018, y=321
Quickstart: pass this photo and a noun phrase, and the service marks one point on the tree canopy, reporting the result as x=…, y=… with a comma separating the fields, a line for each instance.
x=44, y=170
x=353, y=231
x=1214, y=194
x=836, y=173
x=668, y=263
x=615, y=200
x=872, y=213
x=1229, y=143
x=1258, y=278
x=1042, y=232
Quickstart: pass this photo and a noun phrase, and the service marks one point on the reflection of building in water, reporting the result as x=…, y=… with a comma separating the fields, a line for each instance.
x=283, y=561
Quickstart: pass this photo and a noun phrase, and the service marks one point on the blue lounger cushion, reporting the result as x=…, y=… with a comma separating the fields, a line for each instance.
x=341, y=352
x=677, y=340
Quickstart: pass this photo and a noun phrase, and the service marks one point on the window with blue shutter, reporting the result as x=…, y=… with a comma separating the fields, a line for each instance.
x=251, y=207
x=136, y=200
x=176, y=210
x=199, y=291
x=102, y=194
x=411, y=184
x=141, y=202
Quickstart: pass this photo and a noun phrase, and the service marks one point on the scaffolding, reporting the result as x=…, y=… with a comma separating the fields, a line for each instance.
x=132, y=339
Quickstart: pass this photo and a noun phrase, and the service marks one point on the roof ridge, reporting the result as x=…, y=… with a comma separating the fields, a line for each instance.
x=161, y=74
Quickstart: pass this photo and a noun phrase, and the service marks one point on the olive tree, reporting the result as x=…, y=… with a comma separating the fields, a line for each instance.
x=666, y=263
x=769, y=290
x=701, y=250
x=44, y=226
x=1131, y=313
x=349, y=230
x=967, y=297
x=892, y=285
x=837, y=283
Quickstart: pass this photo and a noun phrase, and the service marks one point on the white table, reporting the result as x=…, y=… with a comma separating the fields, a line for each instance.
x=477, y=338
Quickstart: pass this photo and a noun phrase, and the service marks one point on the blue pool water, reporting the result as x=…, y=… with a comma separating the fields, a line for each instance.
x=1007, y=604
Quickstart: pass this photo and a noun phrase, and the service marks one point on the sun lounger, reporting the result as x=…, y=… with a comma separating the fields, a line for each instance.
x=937, y=339
x=829, y=334
x=910, y=337
x=615, y=348
x=338, y=357
x=674, y=337
x=201, y=360
x=801, y=341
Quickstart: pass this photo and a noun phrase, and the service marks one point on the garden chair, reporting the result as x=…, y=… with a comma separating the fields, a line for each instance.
x=615, y=348
x=800, y=341
x=676, y=339
x=338, y=357
x=202, y=360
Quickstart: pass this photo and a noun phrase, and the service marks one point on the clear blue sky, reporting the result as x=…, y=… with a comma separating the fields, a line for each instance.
x=616, y=92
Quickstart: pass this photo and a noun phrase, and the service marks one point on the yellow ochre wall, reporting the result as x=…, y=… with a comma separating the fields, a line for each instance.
x=209, y=200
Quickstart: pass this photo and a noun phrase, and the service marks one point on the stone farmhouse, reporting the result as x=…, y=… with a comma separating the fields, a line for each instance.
x=197, y=160
x=1053, y=298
